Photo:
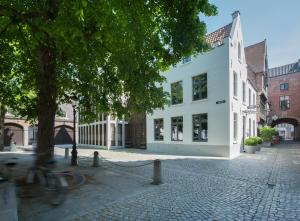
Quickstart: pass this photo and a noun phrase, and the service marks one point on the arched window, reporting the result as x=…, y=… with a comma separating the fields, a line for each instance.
x=239, y=52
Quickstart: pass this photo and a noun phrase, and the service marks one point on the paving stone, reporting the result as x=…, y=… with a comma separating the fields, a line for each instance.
x=193, y=189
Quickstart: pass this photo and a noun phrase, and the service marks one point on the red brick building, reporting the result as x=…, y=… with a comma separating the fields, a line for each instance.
x=284, y=96
x=23, y=133
x=257, y=68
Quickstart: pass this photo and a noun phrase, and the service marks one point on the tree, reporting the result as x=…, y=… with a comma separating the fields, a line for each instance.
x=16, y=92
x=108, y=52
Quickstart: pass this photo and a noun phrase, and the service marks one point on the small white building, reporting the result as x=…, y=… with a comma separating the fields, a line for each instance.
x=210, y=94
x=107, y=133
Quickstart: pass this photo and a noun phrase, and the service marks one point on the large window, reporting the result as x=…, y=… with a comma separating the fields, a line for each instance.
x=249, y=97
x=177, y=92
x=177, y=128
x=159, y=129
x=200, y=127
x=284, y=102
x=200, y=87
x=235, y=126
x=249, y=127
x=284, y=86
x=253, y=125
x=235, y=89
x=244, y=91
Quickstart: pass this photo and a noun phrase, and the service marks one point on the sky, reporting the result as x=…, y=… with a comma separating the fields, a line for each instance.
x=275, y=20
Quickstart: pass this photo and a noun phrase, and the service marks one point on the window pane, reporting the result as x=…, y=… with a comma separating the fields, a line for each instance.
x=119, y=134
x=113, y=134
x=244, y=92
x=158, y=129
x=200, y=127
x=235, y=84
x=200, y=87
x=177, y=92
x=177, y=128
x=284, y=102
x=249, y=127
x=284, y=86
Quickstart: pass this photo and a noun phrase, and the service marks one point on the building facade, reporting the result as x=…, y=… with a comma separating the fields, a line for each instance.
x=107, y=132
x=257, y=70
x=210, y=94
x=23, y=133
x=284, y=91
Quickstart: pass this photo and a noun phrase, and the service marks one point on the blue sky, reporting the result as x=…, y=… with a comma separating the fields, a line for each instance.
x=276, y=20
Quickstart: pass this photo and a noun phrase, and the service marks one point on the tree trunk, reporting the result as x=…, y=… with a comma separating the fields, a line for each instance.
x=46, y=107
x=46, y=85
x=2, y=117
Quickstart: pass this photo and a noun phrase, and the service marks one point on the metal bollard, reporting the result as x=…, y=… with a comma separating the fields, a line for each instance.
x=96, y=159
x=67, y=153
x=157, y=172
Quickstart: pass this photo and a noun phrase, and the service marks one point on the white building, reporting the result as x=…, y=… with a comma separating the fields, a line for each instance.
x=107, y=133
x=210, y=94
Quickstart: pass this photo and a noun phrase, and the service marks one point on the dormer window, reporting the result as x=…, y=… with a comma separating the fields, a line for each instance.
x=217, y=43
x=186, y=59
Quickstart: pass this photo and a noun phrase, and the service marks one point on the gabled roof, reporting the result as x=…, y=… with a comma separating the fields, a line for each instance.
x=219, y=35
x=285, y=69
x=255, y=56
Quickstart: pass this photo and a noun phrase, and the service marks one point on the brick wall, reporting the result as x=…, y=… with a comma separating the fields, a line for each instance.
x=293, y=92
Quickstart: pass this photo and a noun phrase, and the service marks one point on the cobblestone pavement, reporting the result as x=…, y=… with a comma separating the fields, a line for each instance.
x=264, y=186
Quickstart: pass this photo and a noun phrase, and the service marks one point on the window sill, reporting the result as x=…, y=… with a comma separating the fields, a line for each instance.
x=199, y=141
x=235, y=142
x=199, y=101
x=177, y=105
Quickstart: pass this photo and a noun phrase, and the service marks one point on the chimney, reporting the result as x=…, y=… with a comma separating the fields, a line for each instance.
x=235, y=14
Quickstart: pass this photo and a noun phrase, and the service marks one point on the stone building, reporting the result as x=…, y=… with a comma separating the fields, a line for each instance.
x=257, y=68
x=284, y=96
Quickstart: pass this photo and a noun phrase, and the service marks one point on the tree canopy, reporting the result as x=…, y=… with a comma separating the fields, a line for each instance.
x=107, y=51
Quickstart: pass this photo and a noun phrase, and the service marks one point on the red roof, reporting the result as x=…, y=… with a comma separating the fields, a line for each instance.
x=220, y=34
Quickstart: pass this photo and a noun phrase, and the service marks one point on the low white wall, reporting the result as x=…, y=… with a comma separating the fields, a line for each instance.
x=189, y=150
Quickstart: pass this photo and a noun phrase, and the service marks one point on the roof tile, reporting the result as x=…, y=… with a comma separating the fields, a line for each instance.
x=220, y=34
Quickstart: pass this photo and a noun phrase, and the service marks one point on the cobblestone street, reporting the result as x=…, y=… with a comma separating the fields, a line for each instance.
x=264, y=186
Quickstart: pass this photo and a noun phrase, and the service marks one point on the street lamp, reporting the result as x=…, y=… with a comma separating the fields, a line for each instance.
x=74, y=148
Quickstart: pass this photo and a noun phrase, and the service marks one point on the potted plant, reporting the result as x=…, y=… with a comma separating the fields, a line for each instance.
x=250, y=145
x=267, y=133
x=259, y=143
